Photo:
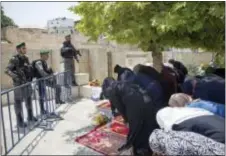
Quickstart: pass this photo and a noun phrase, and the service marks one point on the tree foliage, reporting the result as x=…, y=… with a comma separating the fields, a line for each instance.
x=5, y=20
x=155, y=25
x=220, y=60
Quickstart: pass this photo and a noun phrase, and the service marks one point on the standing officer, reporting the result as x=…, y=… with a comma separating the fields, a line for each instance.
x=20, y=70
x=41, y=70
x=69, y=53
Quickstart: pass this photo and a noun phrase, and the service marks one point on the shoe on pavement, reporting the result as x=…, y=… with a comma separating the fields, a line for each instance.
x=60, y=102
x=74, y=83
x=33, y=119
x=22, y=125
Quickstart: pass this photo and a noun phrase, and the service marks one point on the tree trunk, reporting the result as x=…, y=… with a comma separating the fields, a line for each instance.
x=157, y=60
x=156, y=55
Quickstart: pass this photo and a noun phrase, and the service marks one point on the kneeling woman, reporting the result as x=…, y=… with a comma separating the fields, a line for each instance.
x=137, y=109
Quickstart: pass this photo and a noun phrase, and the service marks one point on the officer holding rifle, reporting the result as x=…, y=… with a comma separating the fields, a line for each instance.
x=21, y=72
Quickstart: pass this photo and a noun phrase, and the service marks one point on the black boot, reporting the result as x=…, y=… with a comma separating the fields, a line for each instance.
x=57, y=95
x=20, y=121
x=43, y=111
x=74, y=83
x=31, y=117
x=59, y=101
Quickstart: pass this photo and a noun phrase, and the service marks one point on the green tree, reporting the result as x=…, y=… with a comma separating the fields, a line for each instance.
x=5, y=20
x=154, y=26
x=219, y=60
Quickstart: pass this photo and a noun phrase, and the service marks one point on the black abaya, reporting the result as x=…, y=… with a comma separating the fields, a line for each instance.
x=137, y=109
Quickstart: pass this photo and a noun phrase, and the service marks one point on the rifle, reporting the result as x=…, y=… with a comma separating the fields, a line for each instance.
x=78, y=52
x=21, y=75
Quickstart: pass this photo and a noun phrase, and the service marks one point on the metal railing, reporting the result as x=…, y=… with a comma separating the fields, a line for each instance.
x=42, y=97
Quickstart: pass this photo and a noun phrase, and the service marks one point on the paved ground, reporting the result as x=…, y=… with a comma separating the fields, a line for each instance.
x=59, y=141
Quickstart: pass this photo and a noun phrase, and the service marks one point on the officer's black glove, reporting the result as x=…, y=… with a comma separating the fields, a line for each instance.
x=77, y=60
x=50, y=71
x=79, y=53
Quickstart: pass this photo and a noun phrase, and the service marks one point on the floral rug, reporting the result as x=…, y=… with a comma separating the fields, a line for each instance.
x=104, y=142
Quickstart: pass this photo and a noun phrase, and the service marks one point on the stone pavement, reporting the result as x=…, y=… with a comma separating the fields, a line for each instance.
x=60, y=141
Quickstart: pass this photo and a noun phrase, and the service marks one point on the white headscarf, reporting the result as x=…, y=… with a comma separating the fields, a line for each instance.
x=169, y=116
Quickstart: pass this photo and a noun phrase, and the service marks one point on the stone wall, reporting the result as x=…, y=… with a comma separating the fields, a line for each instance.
x=94, y=58
x=189, y=58
x=7, y=52
x=93, y=54
x=133, y=58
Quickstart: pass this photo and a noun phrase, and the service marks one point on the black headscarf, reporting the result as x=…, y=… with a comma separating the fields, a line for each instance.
x=147, y=70
x=136, y=108
x=107, y=86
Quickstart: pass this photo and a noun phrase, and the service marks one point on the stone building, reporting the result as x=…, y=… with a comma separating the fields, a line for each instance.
x=60, y=26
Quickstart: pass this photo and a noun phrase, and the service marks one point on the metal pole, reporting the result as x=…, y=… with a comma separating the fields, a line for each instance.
x=3, y=128
x=10, y=119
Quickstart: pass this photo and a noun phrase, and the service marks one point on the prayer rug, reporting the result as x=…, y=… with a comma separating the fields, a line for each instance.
x=105, y=105
x=116, y=127
x=104, y=142
x=105, y=108
x=119, y=119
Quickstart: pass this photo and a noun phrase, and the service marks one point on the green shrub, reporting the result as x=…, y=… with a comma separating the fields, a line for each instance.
x=195, y=70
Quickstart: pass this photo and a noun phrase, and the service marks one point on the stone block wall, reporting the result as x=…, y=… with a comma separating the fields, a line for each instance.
x=94, y=58
x=189, y=58
x=98, y=63
x=7, y=51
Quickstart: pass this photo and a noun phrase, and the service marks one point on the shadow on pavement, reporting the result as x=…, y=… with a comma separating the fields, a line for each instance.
x=85, y=151
x=70, y=136
x=34, y=143
x=28, y=149
x=65, y=110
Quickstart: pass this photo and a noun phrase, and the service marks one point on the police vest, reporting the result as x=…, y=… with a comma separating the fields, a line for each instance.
x=44, y=66
x=25, y=69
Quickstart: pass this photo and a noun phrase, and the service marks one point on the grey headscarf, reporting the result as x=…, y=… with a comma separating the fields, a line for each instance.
x=179, y=100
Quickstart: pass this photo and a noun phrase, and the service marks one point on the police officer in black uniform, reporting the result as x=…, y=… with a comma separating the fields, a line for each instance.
x=69, y=53
x=41, y=70
x=20, y=70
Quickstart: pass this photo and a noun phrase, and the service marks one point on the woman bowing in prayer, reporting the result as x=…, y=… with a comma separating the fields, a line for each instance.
x=148, y=82
x=194, y=120
x=210, y=88
x=184, y=100
x=138, y=111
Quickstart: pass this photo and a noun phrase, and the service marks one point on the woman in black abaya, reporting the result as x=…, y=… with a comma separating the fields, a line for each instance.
x=137, y=108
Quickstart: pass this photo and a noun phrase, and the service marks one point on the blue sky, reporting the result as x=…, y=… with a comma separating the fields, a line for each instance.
x=36, y=14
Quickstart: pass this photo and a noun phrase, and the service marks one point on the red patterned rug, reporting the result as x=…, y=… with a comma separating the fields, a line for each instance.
x=118, y=119
x=105, y=105
x=116, y=127
x=104, y=142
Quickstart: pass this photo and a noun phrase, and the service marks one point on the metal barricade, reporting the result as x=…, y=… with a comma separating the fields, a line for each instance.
x=48, y=92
